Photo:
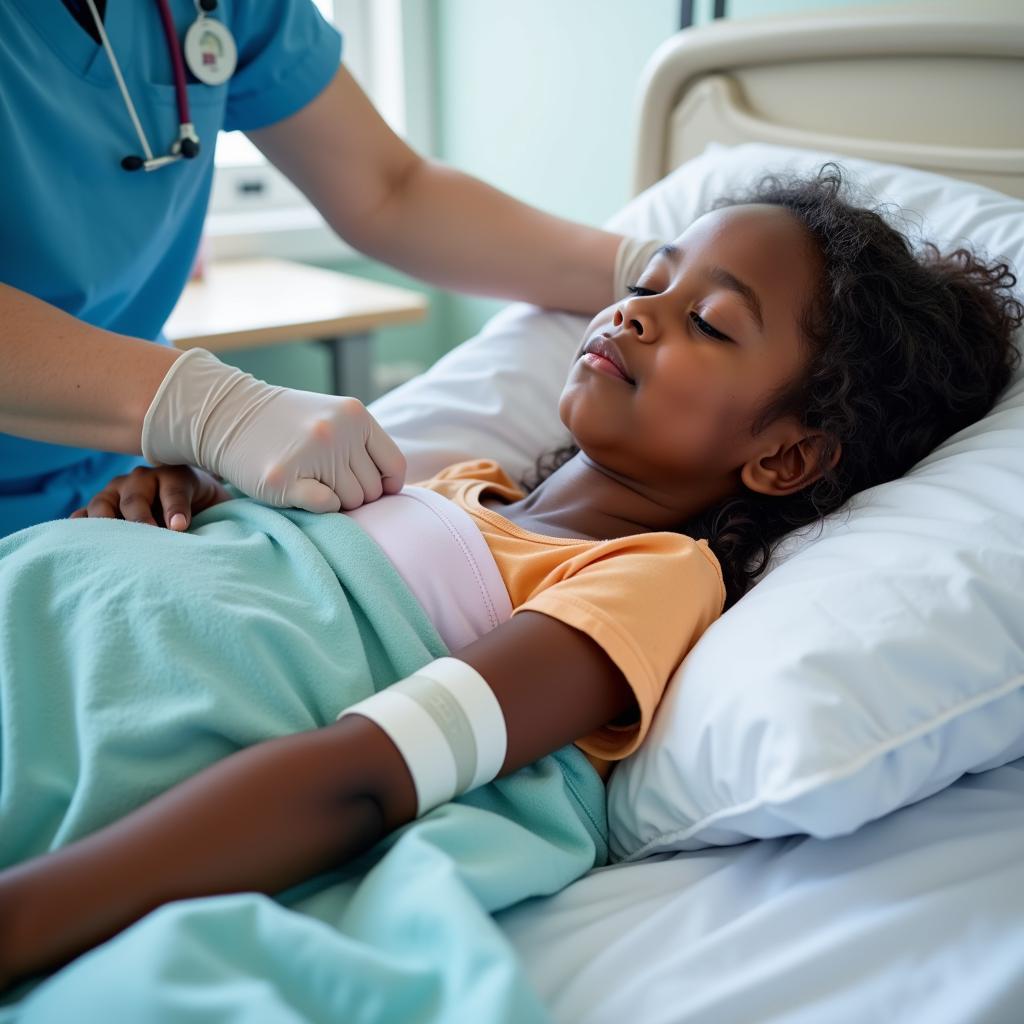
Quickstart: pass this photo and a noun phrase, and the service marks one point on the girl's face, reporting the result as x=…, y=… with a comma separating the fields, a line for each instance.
x=711, y=331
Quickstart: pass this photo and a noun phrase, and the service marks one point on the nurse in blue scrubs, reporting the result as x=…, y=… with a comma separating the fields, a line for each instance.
x=95, y=249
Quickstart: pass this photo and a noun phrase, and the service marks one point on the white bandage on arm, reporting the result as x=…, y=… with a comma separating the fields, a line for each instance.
x=448, y=727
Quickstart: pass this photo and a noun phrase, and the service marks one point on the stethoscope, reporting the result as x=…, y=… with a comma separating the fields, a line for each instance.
x=211, y=55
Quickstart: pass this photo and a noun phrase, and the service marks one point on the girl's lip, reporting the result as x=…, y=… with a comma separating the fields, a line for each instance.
x=607, y=351
x=603, y=365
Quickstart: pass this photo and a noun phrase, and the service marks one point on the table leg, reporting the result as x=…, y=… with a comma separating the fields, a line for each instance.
x=352, y=365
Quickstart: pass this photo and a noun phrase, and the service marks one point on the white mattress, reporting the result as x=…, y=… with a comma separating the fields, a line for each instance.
x=917, y=918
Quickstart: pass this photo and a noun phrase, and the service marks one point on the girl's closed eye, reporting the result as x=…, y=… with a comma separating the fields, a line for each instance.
x=702, y=325
x=705, y=328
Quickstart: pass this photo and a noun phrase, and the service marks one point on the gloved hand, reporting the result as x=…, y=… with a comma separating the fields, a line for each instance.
x=284, y=447
x=632, y=257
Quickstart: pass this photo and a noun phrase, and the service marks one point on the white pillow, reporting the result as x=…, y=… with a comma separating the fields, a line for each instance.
x=871, y=665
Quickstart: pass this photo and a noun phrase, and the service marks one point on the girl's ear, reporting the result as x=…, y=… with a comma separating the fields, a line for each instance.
x=792, y=466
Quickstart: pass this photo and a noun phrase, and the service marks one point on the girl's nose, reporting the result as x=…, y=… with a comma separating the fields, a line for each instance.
x=630, y=318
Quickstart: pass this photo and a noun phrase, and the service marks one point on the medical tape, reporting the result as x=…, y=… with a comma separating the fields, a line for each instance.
x=448, y=726
x=482, y=710
x=444, y=708
x=421, y=743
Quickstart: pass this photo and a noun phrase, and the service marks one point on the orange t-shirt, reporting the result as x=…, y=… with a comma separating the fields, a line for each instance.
x=645, y=598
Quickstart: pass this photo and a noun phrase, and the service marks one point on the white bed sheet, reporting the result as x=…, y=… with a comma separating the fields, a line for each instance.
x=916, y=918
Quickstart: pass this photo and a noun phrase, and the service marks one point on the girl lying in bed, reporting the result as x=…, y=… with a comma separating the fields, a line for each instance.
x=785, y=352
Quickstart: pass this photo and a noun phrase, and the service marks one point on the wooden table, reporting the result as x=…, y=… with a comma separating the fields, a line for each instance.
x=251, y=303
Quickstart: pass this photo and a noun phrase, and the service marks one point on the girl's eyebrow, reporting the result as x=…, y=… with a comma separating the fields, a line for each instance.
x=728, y=280
x=745, y=292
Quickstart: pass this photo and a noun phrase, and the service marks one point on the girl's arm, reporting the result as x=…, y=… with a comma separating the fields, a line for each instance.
x=277, y=813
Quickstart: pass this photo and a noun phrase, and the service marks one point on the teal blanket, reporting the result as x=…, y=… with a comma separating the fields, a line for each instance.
x=132, y=657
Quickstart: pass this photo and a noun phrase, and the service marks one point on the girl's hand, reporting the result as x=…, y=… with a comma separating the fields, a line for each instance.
x=161, y=496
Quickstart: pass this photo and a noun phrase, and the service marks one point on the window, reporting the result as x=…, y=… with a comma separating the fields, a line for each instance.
x=254, y=209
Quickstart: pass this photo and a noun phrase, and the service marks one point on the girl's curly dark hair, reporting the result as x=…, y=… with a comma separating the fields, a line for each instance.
x=905, y=350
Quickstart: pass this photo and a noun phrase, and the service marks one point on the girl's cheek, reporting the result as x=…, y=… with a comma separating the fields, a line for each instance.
x=698, y=414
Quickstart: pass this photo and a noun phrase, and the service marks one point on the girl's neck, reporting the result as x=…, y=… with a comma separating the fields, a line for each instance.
x=583, y=499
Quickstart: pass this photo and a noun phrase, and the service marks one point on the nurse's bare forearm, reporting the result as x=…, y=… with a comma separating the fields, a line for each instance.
x=67, y=382
x=459, y=232
x=430, y=220
x=262, y=819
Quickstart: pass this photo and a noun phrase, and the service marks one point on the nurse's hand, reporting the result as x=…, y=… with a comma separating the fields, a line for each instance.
x=283, y=447
x=161, y=496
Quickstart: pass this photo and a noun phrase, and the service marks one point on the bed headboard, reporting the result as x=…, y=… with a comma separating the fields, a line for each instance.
x=934, y=88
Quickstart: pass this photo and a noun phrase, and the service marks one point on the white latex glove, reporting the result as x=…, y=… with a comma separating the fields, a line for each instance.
x=632, y=257
x=284, y=447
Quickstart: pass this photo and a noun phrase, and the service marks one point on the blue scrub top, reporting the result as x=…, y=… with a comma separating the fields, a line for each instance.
x=112, y=247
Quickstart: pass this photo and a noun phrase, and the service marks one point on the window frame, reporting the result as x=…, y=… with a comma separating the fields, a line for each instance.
x=255, y=210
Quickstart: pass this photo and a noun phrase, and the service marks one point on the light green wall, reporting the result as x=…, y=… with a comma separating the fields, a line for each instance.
x=537, y=98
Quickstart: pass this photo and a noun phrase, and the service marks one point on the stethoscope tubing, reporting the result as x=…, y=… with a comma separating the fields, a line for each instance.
x=116, y=67
x=187, y=144
x=184, y=116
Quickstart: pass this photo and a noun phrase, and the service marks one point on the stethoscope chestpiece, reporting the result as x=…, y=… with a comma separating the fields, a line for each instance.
x=212, y=57
x=187, y=144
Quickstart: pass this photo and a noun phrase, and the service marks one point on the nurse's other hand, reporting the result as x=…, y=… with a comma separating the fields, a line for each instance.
x=321, y=453
x=159, y=495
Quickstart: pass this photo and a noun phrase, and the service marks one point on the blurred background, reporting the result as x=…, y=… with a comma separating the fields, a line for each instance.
x=535, y=97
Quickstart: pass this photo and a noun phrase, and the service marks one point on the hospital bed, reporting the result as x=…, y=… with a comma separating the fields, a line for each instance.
x=826, y=821
x=915, y=915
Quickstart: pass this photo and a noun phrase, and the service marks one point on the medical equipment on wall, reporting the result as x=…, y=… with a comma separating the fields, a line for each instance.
x=212, y=57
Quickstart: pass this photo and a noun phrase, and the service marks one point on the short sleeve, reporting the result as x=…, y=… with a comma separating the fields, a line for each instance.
x=645, y=600
x=477, y=469
x=287, y=54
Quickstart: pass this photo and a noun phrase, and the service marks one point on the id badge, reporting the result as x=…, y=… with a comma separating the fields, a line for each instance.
x=210, y=51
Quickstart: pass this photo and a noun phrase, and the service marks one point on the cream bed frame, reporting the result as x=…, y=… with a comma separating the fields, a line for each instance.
x=926, y=86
